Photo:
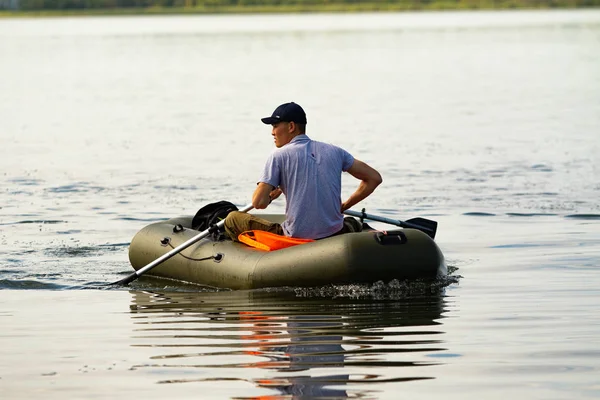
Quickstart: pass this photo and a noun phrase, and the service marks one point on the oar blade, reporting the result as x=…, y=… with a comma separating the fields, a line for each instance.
x=426, y=225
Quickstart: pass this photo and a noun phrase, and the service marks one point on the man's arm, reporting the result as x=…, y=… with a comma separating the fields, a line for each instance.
x=369, y=178
x=263, y=195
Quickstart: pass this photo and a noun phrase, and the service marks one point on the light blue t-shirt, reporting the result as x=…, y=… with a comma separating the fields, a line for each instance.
x=310, y=175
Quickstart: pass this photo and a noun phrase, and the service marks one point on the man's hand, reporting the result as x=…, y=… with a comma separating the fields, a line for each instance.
x=369, y=180
x=344, y=207
x=275, y=193
x=263, y=195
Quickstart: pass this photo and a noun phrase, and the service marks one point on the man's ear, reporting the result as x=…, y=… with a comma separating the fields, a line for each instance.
x=291, y=126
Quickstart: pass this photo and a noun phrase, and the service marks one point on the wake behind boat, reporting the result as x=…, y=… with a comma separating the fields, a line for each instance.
x=359, y=257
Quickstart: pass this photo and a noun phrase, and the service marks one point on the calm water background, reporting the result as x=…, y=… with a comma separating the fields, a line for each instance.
x=488, y=122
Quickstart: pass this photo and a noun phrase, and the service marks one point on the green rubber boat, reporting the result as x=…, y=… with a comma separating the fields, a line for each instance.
x=361, y=257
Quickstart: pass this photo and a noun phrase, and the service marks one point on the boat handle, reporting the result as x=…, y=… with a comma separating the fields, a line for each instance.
x=177, y=228
x=390, y=238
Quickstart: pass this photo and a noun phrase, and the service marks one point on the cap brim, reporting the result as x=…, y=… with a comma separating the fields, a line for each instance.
x=270, y=120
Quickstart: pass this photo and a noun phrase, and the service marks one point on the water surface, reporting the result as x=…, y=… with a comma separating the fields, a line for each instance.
x=486, y=122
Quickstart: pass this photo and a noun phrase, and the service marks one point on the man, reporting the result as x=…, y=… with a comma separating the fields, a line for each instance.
x=309, y=174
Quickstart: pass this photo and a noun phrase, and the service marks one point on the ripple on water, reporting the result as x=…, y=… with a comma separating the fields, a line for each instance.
x=535, y=194
x=542, y=168
x=35, y=221
x=156, y=219
x=176, y=187
x=584, y=216
x=518, y=245
x=76, y=188
x=516, y=214
x=26, y=181
x=479, y=214
x=84, y=251
x=392, y=290
x=23, y=284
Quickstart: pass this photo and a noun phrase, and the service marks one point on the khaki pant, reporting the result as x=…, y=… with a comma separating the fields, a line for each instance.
x=238, y=222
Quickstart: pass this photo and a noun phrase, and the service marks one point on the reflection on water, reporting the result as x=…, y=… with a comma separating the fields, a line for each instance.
x=288, y=342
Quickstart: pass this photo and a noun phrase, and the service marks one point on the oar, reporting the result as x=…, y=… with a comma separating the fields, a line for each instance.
x=425, y=225
x=175, y=251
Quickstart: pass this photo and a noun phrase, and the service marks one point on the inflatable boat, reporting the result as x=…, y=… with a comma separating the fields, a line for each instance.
x=359, y=257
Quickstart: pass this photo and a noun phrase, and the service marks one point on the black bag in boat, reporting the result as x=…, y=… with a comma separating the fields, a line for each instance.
x=211, y=214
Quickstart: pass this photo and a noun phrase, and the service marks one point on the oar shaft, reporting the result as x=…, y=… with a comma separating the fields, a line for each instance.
x=391, y=221
x=373, y=217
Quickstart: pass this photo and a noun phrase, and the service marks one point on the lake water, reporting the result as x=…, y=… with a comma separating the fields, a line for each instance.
x=487, y=122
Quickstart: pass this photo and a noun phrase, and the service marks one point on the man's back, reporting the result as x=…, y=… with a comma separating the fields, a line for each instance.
x=309, y=174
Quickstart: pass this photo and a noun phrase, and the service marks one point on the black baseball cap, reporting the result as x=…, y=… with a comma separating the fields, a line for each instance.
x=287, y=112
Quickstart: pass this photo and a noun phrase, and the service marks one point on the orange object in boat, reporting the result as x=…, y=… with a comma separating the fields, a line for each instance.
x=268, y=241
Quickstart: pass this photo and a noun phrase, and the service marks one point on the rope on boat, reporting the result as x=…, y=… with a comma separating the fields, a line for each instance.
x=217, y=257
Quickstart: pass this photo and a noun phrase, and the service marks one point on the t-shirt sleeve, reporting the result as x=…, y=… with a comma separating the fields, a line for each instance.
x=271, y=171
x=347, y=160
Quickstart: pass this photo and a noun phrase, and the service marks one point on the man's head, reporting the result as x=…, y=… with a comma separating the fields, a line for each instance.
x=288, y=121
x=287, y=112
